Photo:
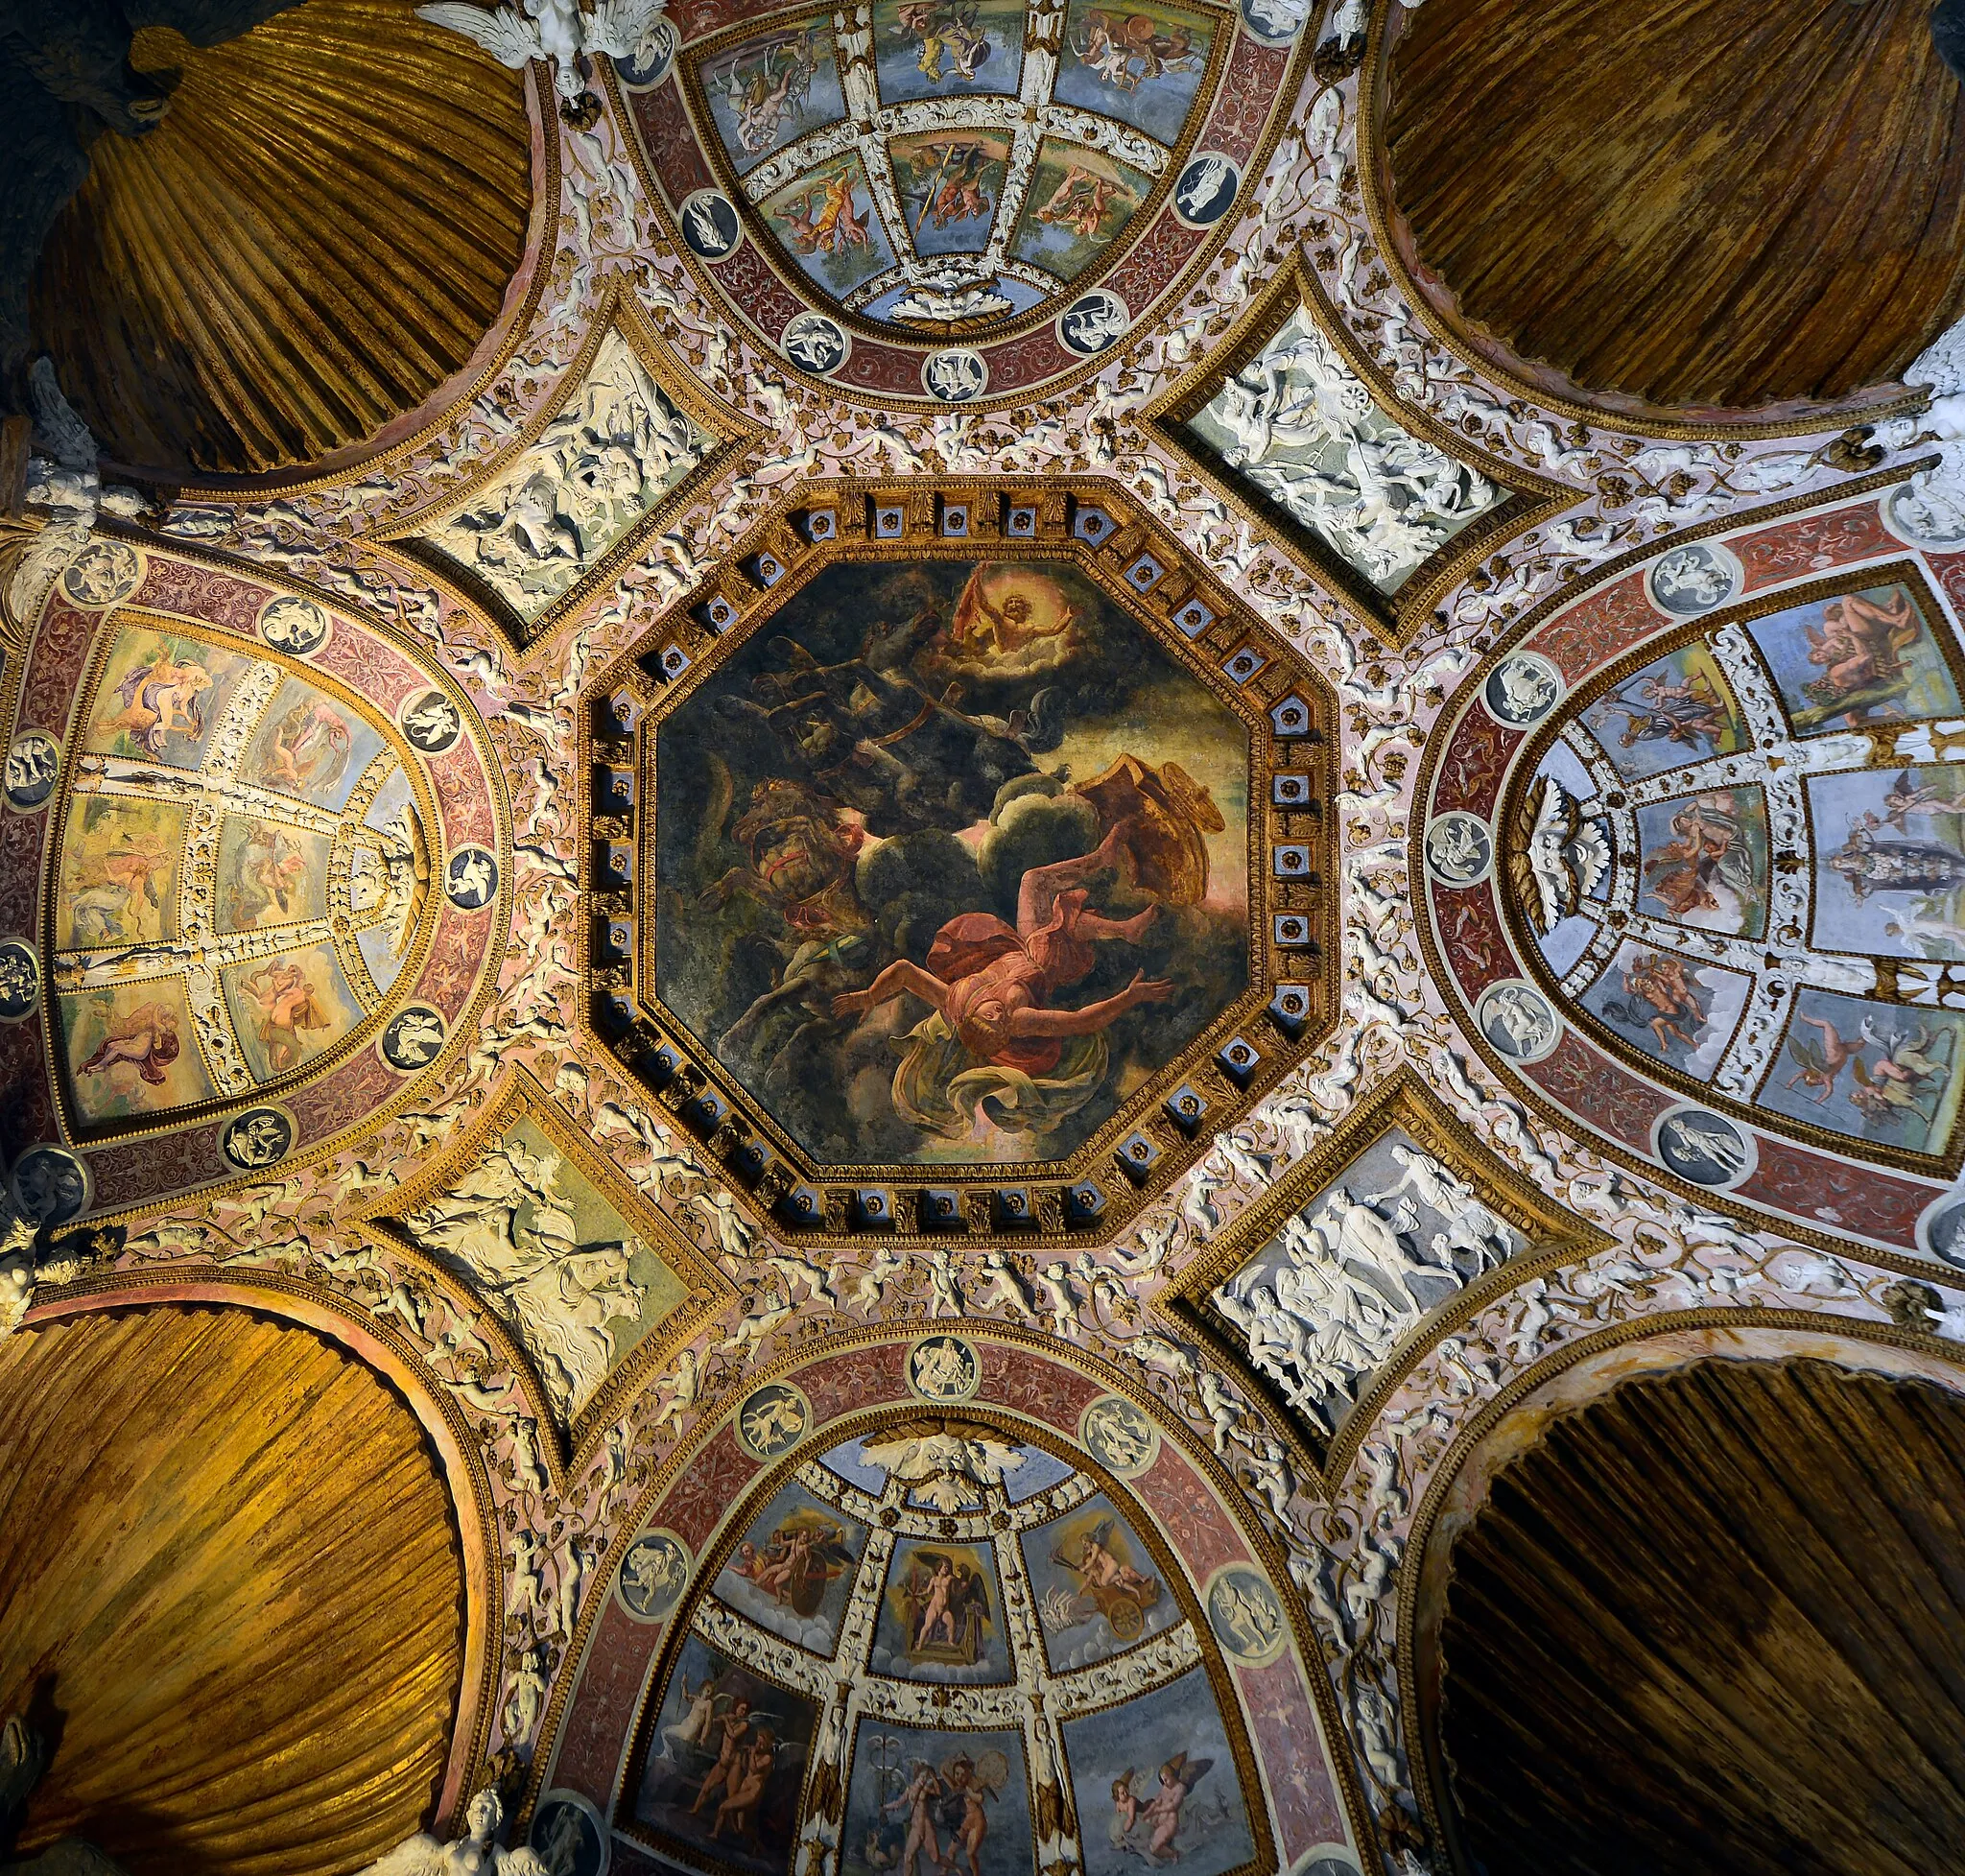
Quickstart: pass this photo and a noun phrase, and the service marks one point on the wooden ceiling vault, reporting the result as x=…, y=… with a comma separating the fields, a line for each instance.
x=224, y=1545
x=315, y=240
x=1713, y=1621
x=1728, y=206
x=982, y=937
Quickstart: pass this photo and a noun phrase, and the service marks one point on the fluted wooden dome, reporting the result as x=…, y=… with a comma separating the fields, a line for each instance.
x=231, y=1594
x=1716, y=1622
x=1731, y=204
x=317, y=237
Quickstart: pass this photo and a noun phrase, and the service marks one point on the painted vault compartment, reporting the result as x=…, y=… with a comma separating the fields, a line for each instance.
x=953, y=855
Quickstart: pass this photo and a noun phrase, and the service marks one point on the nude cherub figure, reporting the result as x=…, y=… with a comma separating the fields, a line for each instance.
x=937, y=1613
x=1098, y=1564
x=1822, y=1066
x=917, y=1800
x=699, y=1710
x=993, y=986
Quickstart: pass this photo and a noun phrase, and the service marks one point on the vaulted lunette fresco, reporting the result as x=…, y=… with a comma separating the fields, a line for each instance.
x=989, y=1667
x=873, y=220
x=256, y=863
x=895, y=198
x=1734, y=852
x=1788, y=731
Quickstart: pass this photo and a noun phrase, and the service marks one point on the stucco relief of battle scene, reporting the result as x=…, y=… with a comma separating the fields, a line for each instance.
x=915, y=1009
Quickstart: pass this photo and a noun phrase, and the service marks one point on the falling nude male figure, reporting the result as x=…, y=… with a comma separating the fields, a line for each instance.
x=993, y=986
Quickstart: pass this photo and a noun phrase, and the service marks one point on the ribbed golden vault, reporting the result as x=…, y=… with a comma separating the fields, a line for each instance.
x=231, y=1593
x=317, y=237
x=1731, y=204
x=1717, y=1621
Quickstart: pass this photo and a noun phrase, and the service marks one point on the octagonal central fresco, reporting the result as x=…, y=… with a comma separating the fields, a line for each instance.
x=960, y=831
x=954, y=856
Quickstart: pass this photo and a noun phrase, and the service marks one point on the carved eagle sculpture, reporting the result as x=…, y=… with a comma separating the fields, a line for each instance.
x=946, y=1461
x=556, y=30
x=1557, y=858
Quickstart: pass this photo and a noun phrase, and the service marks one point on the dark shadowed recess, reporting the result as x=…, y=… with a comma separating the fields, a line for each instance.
x=1715, y=1623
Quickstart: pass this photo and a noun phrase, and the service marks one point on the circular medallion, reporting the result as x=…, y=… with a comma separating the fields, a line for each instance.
x=471, y=878
x=20, y=981
x=1206, y=189
x=258, y=1138
x=1118, y=1433
x=1522, y=689
x=49, y=1185
x=1093, y=322
x=1703, y=1148
x=103, y=573
x=1517, y=1019
x=1274, y=22
x=815, y=344
x=1245, y=1614
x=957, y=376
x=432, y=722
x=295, y=625
x=943, y=1370
x=1460, y=848
x=414, y=1038
x=652, y=1575
x=773, y=1420
x=648, y=64
x=568, y=1837
x=32, y=765
x=1922, y=514
x=1693, y=579
x=1941, y=1230
x=711, y=226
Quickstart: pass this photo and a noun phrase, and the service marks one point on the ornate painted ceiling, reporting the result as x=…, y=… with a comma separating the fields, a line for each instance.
x=963, y=905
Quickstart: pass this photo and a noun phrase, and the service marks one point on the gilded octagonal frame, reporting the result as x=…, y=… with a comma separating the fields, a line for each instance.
x=1160, y=1127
